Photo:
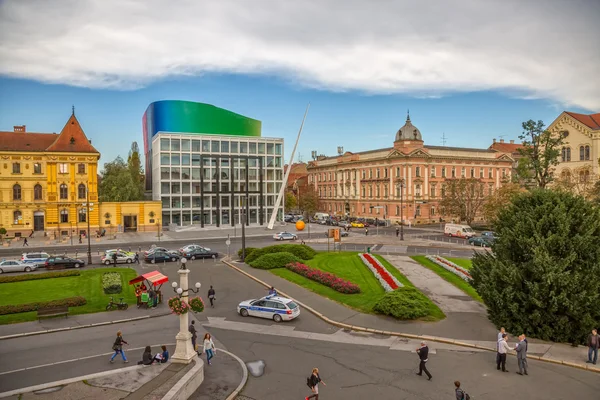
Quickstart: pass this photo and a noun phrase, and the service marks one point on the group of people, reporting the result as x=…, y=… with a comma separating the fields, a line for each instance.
x=503, y=348
x=145, y=296
x=208, y=347
x=147, y=357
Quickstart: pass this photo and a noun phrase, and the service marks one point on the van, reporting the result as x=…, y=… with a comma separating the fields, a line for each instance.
x=321, y=216
x=457, y=230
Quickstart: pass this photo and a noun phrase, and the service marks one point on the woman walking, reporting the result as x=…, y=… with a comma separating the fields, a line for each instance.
x=209, y=347
x=313, y=383
x=118, y=347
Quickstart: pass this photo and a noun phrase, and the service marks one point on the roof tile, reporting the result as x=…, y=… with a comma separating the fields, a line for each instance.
x=591, y=121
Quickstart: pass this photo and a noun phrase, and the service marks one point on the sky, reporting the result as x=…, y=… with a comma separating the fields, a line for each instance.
x=468, y=70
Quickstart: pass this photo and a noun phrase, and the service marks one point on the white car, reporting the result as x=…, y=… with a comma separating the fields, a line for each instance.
x=123, y=257
x=37, y=259
x=16, y=266
x=190, y=247
x=285, y=236
x=272, y=307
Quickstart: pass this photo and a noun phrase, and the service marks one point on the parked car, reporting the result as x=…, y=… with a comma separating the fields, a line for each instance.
x=200, y=253
x=190, y=247
x=285, y=236
x=345, y=224
x=489, y=235
x=61, y=261
x=479, y=241
x=272, y=307
x=152, y=250
x=37, y=259
x=289, y=218
x=342, y=233
x=161, y=256
x=123, y=257
x=16, y=266
x=357, y=224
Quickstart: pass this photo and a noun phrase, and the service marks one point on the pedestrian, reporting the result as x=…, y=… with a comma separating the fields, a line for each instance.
x=25, y=243
x=137, y=258
x=502, y=350
x=118, y=347
x=397, y=231
x=31, y=234
x=366, y=231
x=313, y=383
x=209, y=348
x=460, y=394
x=192, y=330
x=521, y=349
x=211, y=296
x=114, y=257
x=138, y=295
x=147, y=358
x=152, y=297
x=80, y=238
x=423, y=353
x=272, y=291
x=500, y=333
x=593, y=345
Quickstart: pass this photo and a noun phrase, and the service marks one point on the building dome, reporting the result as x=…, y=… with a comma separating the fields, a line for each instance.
x=408, y=131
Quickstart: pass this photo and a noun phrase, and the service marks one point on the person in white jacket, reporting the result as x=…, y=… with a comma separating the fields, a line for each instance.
x=209, y=347
x=503, y=348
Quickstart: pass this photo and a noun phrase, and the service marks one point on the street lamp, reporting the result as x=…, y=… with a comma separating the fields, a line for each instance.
x=400, y=186
x=87, y=217
x=184, y=353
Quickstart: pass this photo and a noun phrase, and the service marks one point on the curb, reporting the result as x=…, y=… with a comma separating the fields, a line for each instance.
x=71, y=328
x=237, y=390
x=407, y=335
x=181, y=390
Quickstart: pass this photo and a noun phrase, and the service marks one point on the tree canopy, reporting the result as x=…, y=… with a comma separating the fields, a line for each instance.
x=309, y=200
x=540, y=152
x=499, y=199
x=542, y=277
x=117, y=184
x=463, y=198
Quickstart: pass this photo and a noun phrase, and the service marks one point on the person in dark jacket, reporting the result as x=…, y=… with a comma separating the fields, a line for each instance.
x=460, y=394
x=313, y=383
x=593, y=345
x=192, y=330
x=423, y=353
x=118, y=347
x=211, y=296
x=162, y=357
x=147, y=358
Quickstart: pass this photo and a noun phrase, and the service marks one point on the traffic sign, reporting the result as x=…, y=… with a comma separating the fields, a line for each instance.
x=228, y=242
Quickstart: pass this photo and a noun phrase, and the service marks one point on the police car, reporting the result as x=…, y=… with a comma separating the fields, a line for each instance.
x=273, y=307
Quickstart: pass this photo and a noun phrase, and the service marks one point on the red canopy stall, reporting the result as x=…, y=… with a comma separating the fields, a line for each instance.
x=153, y=279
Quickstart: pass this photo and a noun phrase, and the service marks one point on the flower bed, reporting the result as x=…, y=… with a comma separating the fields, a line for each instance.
x=324, y=278
x=387, y=280
x=450, y=266
x=111, y=283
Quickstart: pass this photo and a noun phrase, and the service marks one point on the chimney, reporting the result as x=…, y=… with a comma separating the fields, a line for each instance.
x=494, y=140
x=19, y=128
x=501, y=140
x=512, y=142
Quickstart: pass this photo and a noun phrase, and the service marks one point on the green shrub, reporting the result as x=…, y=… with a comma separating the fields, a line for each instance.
x=21, y=308
x=403, y=303
x=303, y=252
x=274, y=260
x=111, y=283
x=31, y=277
x=248, y=251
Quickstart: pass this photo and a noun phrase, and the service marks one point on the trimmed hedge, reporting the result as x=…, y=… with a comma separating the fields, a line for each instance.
x=301, y=251
x=403, y=303
x=248, y=251
x=274, y=260
x=111, y=283
x=21, y=308
x=31, y=277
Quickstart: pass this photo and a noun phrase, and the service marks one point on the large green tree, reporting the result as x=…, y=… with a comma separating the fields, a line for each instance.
x=117, y=184
x=540, y=152
x=542, y=277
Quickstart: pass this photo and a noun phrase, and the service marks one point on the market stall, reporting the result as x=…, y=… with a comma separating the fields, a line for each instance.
x=143, y=283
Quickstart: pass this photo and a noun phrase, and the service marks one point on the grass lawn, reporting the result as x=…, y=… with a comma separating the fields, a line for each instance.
x=466, y=263
x=348, y=265
x=449, y=276
x=88, y=285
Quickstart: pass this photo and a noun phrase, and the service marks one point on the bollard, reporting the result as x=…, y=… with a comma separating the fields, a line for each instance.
x=139, y=249
x=214, y=258
x=130, y=249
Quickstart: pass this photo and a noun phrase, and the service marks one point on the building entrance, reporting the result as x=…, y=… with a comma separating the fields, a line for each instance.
x=38, y=221
x=130, y=223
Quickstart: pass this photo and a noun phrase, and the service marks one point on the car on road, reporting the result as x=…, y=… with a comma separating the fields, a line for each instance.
x=289, y=218
x=345, y=224
x=489, y=235
x=357, y=224
x=123, y=257
x=480, y=241
x=152, y=250
x=62, y=261
x=200, y=253
x=272, y=307
x=37, y=259
x=16, y=266
x=285, y=236
x=190, y=247
x=161, y=256
x=342, y=233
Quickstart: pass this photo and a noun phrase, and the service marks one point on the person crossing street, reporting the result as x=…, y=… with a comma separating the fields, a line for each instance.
x=423, y=353
x=211, y=296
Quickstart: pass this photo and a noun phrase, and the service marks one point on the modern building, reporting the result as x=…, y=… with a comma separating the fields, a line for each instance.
x=367, y=184
x=47, y=179
x=207, y=165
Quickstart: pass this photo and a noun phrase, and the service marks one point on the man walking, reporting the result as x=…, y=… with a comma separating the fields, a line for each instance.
x=192, y=330
x=366, y=231
x=460, y=394
x=502, y=350
x=521, y=349
x=397, y=231
x=25, y=243
x=593, y=345
x=114, y=257
x=423, y=353
x=211, y=296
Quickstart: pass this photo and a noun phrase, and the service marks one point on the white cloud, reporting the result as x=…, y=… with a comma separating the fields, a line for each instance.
x=542, y=49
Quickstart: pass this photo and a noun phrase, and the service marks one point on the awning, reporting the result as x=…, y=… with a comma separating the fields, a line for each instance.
x=154, y=277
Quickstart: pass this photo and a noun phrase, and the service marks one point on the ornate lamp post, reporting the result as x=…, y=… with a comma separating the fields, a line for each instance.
x=184, y=353
x=400, y=186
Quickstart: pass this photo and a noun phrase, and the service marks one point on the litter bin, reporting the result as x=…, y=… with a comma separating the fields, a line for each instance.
x=369, y=250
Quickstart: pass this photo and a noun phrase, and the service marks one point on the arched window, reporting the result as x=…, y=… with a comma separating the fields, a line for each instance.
x=587, y=153
x=18, y=217
x=568, y=154
x=581, y=153
x=82, y=215
x=17, y=192
x=454, y=172
x=64, y=215
x=64, y=192
x=37, y=192
x=418, y=171
x=81, y=191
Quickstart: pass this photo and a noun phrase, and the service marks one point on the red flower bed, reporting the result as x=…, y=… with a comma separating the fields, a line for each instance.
x=324, y=278
x=381, y=271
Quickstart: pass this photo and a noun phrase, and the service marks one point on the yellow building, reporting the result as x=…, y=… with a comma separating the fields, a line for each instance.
x=47, y=181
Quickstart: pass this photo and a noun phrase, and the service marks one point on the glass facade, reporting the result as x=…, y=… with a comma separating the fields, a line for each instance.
x=209, y=180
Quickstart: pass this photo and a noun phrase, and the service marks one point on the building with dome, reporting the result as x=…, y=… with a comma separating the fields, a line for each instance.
x=367, y=184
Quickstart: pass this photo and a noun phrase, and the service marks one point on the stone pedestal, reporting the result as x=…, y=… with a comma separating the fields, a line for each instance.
x=184, y=353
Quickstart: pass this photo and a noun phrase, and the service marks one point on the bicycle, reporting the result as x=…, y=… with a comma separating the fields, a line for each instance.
x=120, y=305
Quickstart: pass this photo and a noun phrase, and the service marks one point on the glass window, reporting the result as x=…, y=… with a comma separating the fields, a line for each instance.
x=164, y=144
x=244, y=147
x=234, y=147
x=196, y=160
x=206, y=146
x=252, y=162
x=176, y=188
x=175, y=202
x=64, y=215
x=195, y=146
x=252, y=147
x=64, y=192
x=196, y=201
x=214, y=146
x=175, y=174
x=37, y=192
x=207, y=173
x=185, y=187
x=165, y=187
x=175, y=159
x=17, y=192
x=166, y=202
x=224, y=146
x=165, y=159
x=196, y=187
x=196, y=174
x=225, y=162
x=270, y=174
x=175, y=144
x=270, y=148
x=185, y=144
x=185, y=202
x=82, y=215
x=81, y=168
x=63, y=168
x=185, y=159
x=81, y=192
x=270, y=161
x=37, y=168
x=165, y=173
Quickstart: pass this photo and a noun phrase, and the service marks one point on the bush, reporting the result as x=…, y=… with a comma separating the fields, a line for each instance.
x=542, y=279
x=21, y=308
x=31, y=277
x=274, y=260
x=111, y=283
x=248, y=251
x=303, y=252
x=403, y=303
x=324, y=278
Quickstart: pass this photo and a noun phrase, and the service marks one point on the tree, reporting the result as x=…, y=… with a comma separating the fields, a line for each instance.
x=540, y=152
x=309, y=200
x=501, y=198
x=2, y=233
x=117, y=183
x=290, y=201
x=582, y=182
x=134, y=164
x=463, y=198
x=541, y=278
